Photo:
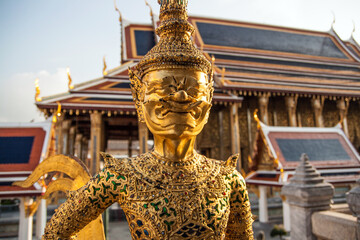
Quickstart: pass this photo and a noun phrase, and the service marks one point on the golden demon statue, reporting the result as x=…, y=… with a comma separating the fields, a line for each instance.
x=172, y=192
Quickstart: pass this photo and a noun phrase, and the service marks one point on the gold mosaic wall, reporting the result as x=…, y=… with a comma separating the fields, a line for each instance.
x=208, y=141
x=306, y=112
x=353, y=119
x=278, y=105
x=330, y=113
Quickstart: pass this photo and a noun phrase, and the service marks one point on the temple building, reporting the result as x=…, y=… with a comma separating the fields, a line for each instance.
x=297, y=79
x=22, y=147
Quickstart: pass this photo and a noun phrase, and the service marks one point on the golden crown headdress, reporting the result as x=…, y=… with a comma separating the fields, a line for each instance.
x=175, y=48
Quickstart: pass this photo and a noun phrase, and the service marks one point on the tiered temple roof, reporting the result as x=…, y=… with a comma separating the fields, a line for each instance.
x=250, y=59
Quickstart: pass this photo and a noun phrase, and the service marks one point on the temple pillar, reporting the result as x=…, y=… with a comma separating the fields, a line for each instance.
x=221, y=133
x=343, y=105
x=317, y=104
x=95, y=141
x=25, y=220
x=143, y=137
x=306, y=193
x=291, y=102
x=130, y=140
x=263, y=101
x=235, y=133
x=71, y=145
x=41, y=215
x=85, y=150
x=263, y=208
x=59, y=134
x=78, y=145
x=286, y=215
x=249, y=117
x=65, y=136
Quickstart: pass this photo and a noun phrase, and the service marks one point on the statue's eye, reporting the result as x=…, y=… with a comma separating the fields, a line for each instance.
x=193, y=92
x=172, y=87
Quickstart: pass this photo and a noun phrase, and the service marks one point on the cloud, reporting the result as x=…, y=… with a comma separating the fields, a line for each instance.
x=17, y=102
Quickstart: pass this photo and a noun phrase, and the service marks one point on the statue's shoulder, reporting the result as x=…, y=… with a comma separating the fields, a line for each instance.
x=119, y=165
x=228, y=166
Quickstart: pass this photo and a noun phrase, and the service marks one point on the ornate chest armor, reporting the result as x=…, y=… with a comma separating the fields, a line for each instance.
x=199, y=199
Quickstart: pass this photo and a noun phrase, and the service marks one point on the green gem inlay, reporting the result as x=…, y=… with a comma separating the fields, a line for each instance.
x=95, y=190
x=221, y=205
x=242, y=191
x=155, y=205
x=237, y=184
x=237, y=200
x=92, y=200
x=109, y=176
x=122, y=177
x=105, y=187
x=103, y=198
x=124, y=189
x=211, y=225
x=114, y=195
x=209, y=214
x=217, y=208
x=208, y=202
x=164, y=212
x=173, y=210
x=115, y=184
x=169, y=224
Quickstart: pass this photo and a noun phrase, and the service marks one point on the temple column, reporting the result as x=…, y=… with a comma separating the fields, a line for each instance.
x=130, y=140
x=143, y=137
x=343, y=106
x=71, y=145
x=85, y=150
x=41, y=215
x=78, y=145
x=221, y=133
x=263, y=208
x=286, y=214
x=95, y=141
x=65, y=136
x=235, y=132
x=25, y=220
x=263, y=101
x=317, y=104
x=249, y=117
x=291, y=102
x=59, y=134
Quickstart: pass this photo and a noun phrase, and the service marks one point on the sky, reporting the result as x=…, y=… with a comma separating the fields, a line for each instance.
x=41, y=38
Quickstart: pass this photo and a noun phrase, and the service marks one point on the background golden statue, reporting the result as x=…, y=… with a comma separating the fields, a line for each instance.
x=171, y=192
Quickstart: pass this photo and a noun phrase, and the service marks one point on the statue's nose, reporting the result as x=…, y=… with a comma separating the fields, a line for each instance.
x=180, y=96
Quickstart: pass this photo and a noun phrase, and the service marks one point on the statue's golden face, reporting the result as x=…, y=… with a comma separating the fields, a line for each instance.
x=176, y=102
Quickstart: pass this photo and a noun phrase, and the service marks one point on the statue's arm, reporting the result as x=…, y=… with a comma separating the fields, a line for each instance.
x=85, y=205
x=240, y=219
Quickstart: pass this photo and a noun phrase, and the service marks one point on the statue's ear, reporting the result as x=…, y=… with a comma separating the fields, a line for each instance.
x=137, y=93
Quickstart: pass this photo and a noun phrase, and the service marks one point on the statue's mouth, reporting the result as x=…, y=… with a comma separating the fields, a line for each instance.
x=182, y=108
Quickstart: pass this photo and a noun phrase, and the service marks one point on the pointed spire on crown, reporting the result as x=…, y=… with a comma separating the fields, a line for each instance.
x=175, y=48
